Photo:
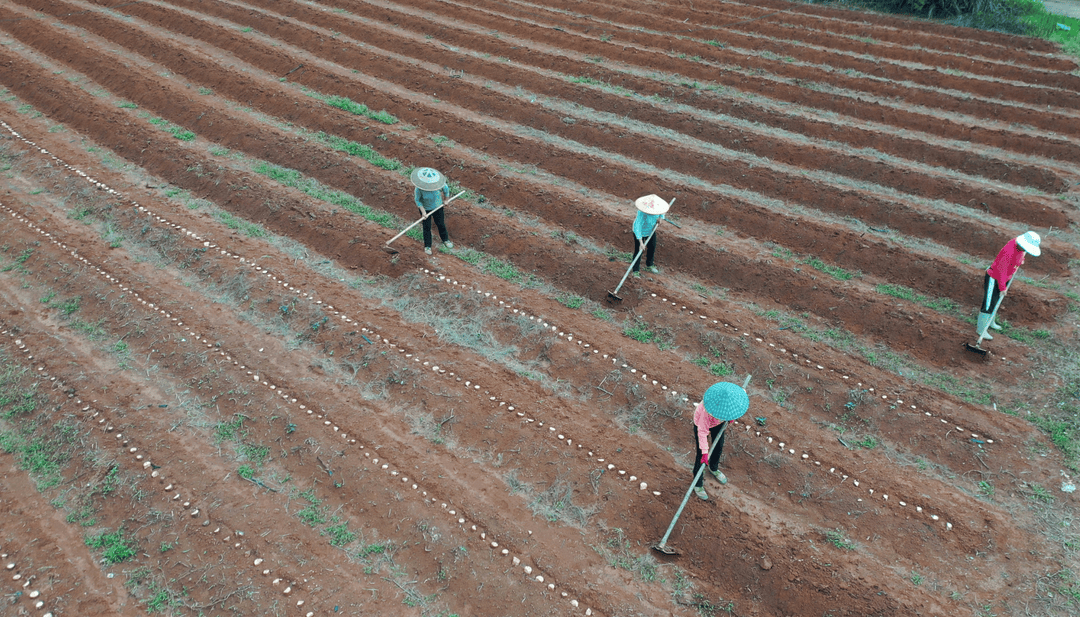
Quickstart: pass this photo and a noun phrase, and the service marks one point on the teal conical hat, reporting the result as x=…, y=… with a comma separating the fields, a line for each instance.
x=726, y=401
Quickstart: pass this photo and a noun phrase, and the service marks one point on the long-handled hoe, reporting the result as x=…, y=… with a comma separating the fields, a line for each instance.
x=662, y=547
x=614, y=295
x=392, y=250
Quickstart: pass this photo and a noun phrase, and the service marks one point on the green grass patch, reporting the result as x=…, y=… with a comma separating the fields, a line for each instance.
x=571, y=301
x=502, y=269
x=158, y=602
x=313, y=513
x=42, y=455
x=839, y=540
x=251, y=230
x=941, y=305
x=360, y=150
x=295, y=179
x=19, y=260
x=176, y=131
x=719, y=369
x=602, y=314
x=339, y=534
x=351, y=106
x=232, y=430
x=114, y=548
x=254, y=452
x=834, y=271
x=639, y=331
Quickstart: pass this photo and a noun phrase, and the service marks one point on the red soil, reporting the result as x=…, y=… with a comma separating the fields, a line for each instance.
x=413, y=400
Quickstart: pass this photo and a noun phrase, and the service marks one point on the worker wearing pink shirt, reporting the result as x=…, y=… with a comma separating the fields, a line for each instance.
x=722, y=402
x=1008, y=261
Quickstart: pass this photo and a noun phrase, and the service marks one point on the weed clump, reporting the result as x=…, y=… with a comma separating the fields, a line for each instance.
x=115, y=549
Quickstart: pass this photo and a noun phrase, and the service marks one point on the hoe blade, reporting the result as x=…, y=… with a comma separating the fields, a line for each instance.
x=665, y=549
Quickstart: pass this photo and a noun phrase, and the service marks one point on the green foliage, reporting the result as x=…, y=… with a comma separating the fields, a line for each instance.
x=470, y=256
x=176, y=131
x=867, y=442
x=721, y=369
x=373, y=549
x=1025, y=17
x=1039, y=493
x=233, y=430
x=295, y=179
x=127, y=105
x=502, y=269
x=110, y=482
x=250, y=229
x=255, y=453
x=353, y=107
x=834, y=271
x=571, y=301
x=16, y=399
x=839, y=540
x=313, y=513
x=113, y=546
x=942, y=305
x=339, y=534
x=245, y=472
x=20, y=260
x=360, y=150
x=639, y=331
x=43, y=456
x=158, y=602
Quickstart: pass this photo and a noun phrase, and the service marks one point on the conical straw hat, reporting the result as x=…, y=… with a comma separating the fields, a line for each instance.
x=427, y=179
x=651, y=204
x=1030, y=243
x=726, y=401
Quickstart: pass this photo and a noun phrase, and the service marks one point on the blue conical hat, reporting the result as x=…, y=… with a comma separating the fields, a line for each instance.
x=726, y=401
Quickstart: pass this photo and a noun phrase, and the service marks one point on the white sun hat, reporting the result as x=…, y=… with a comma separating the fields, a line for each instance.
x=651, y=204
x=1030, y=243
x=427, y=179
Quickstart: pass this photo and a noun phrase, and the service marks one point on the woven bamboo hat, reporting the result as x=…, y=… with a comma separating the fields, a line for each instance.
x=726, y=401
x=651, y=204
x=427, y=179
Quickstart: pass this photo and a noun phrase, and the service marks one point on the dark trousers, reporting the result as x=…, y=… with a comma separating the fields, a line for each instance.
x=440, y=222
x=991, y=294
x=650, y=252
x=714, y=460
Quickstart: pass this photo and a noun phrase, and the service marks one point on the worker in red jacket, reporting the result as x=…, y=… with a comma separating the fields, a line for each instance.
x=1008, y=261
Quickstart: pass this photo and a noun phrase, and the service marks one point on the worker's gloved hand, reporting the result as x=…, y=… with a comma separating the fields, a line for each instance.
x=704, y=459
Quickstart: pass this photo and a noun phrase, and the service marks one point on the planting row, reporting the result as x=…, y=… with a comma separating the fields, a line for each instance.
x=894, y=497
x=198, y=183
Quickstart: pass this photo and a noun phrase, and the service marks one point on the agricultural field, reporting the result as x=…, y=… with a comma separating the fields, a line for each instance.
x=221, y=395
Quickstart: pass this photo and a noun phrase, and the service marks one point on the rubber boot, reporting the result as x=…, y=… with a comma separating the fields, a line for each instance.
x=982, y=324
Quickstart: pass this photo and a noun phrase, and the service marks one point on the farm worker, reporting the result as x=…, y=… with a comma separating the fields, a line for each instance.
x=650, y=210
x=430, y=191
x=1008, y=261
x=723, y=402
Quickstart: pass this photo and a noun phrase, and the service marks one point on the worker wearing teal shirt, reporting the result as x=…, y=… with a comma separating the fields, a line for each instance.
x=650, y=210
